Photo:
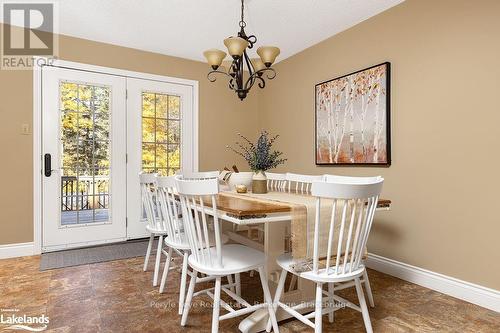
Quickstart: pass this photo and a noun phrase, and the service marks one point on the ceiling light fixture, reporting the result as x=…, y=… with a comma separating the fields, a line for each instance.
x=237, y=49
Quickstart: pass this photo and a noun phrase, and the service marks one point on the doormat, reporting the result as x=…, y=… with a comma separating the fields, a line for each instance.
x=95, y=254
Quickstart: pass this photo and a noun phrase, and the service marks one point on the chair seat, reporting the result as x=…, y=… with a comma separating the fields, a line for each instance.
x=237, y=258
x=286, y=262
x=181, y=243
x=157, y=229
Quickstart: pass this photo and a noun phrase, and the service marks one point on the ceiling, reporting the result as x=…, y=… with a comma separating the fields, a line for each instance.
x=185, y=28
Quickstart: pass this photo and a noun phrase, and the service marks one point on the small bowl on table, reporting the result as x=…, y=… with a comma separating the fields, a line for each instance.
x=240, y=178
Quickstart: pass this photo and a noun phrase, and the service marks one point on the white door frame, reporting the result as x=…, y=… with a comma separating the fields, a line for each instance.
x=40, y=62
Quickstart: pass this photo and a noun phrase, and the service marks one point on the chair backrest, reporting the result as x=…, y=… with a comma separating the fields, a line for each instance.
x=301, y=183
x=351, y=180
x=148, y=198
x=276, y=181
x=353, y=209
x=167, y=205
x=195, y=213
x=199, y=175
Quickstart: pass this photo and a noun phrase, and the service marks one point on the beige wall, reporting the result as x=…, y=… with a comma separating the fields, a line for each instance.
x=221, y=115
x=445, y=117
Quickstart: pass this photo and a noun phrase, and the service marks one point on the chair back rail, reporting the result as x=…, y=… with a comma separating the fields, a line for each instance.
x=195, y=216
x=148, y=198
x=199, y=175
x=353, y=209
x=276, y=181
x=169, y=211
x=301, y=183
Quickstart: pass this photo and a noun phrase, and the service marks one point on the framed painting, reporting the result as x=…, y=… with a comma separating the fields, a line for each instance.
x=352, y=116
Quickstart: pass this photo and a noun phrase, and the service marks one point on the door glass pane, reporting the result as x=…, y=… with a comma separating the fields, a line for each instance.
x=85, y=153
x=161, y=133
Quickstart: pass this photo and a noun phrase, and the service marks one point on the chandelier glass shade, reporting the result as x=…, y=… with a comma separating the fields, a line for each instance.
x=243, y=72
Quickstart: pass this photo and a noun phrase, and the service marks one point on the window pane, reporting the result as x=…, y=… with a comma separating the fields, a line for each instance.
x=174, y=107
x=148, y=105
x=148, y=155
x=161, y=156
x=148, y=130
x=84, y=97
x=161, y=131
x=69, y=92
x=161, y=106
x=174, y=131
x=101, y=154
x=174, y=156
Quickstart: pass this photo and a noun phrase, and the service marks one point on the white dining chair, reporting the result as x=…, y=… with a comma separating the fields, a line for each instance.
x=154, y=225
x=356, y=180
x=301, y=184
x=276, y=181
x=219, y=260
x=353, y=209
x=176, y=240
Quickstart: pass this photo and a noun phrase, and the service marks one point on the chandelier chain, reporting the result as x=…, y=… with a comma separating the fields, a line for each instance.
x=242, y=22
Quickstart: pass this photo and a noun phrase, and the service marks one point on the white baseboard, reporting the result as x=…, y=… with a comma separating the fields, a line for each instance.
x=473, y=293
x=16, y=250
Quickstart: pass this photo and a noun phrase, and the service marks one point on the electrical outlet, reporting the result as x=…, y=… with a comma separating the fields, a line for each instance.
x=25, y=129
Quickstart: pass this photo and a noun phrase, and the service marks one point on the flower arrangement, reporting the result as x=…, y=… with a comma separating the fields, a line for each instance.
x=260, y=156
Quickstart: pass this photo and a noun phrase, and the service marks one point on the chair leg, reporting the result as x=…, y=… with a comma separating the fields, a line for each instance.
x=157, y=264
x=331, y=301
x=189, y=298
x=182, y=290
x=166, y=268
x=230, y=281
x=268, y=299
x=318, y=311
x=277, y=296
x=148, y=252
x=368, y=289
x=216, y=309
x=362, y=304
x=292, y=283
x=238, y=284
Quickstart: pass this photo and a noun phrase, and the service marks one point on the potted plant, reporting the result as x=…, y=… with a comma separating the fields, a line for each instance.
x=260, y=158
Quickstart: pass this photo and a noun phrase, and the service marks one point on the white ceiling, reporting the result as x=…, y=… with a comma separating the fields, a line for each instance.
x=185, y=28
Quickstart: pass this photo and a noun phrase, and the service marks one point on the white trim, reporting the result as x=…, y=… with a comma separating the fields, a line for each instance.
x=37, y=158
x=473, y=293
x=16, y=250
x=39, y=62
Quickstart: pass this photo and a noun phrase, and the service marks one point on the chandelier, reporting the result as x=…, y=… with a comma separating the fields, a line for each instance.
x=237, y=49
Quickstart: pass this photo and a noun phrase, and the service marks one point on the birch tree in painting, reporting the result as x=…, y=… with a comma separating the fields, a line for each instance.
x=351, y=118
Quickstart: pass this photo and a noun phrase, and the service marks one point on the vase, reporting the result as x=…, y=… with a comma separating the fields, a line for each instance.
x=259, y=182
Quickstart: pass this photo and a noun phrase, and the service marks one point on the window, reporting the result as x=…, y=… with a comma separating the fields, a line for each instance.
x=85, y=149
x=161, y=133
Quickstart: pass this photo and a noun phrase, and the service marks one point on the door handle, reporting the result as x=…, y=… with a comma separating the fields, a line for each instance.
x=47, y=165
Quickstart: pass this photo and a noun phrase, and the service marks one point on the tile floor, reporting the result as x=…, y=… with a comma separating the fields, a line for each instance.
x=118, y=296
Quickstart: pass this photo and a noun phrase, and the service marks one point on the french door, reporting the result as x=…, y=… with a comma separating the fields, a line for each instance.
x=99, y=131
x=84, y=157
x=159, y=138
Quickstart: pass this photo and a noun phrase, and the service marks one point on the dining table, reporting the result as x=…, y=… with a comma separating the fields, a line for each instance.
x=272, y=218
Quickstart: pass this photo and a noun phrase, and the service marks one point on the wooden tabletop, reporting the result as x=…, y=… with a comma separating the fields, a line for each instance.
x=240, y=207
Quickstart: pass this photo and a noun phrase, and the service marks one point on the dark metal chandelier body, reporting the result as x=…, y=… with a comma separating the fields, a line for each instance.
x=237, y=47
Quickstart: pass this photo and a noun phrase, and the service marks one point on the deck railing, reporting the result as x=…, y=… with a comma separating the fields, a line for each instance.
x=84, y=192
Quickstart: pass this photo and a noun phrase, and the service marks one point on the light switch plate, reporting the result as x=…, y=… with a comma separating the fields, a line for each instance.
x=25, y=129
